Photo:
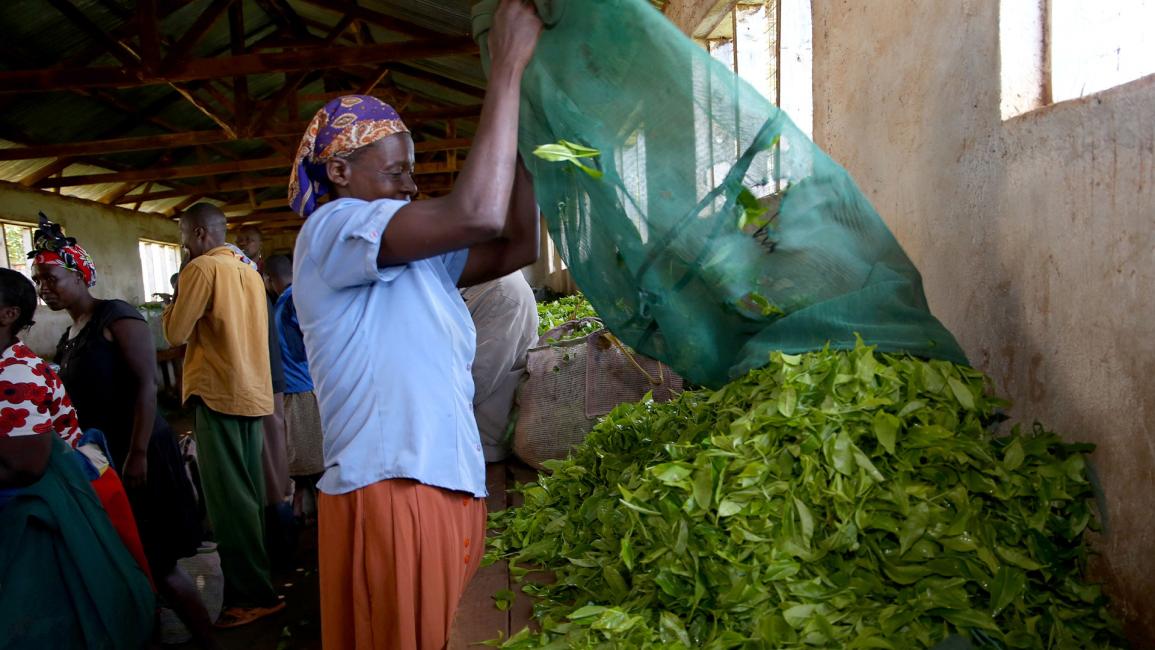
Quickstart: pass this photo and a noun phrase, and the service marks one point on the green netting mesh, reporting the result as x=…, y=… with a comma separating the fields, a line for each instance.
x=669, y=243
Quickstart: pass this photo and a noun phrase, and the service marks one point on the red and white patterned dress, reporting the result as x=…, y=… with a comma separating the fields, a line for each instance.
x=32, y=398
x=33, y=401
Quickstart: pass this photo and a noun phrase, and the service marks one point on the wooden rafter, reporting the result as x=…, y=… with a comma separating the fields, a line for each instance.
x=204, y=108
x=237, y=47
x=46, y=171
x=179, y=53
x=432, y=183
x=132, y=59
x=186, y=203
x=438, y=80
x=371, y=84
x=196, y=138
x=213, y=187
x=423, y=75
x=266, y=216
x=293, y=81
x=283, y=14
x=110, y=45
x=251, y=206
x=116, y=193
x=168, y=173
x=148, y=27
x=115, y=8
x=391, y=23
x=196, y=171
x=146, y=57
x=246, y=64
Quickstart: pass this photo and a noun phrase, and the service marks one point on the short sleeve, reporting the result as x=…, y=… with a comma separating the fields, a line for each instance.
x=25, y=401
x=345, y=243
x=454, y=262
x=115, y=310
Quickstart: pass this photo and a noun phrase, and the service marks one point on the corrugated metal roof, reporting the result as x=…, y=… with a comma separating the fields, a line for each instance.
x=38, y=35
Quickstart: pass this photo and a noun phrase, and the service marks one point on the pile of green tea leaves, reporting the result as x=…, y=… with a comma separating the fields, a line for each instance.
x=565, y=309
x=836, y=499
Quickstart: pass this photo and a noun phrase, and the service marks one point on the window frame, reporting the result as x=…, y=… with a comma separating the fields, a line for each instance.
x=142, y=243
x=1039, y=69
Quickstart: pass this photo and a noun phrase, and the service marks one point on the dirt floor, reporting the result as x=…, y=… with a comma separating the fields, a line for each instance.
x=298, y=627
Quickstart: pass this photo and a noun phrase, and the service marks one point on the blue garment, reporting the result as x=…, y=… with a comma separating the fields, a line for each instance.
x=293, y=356
x=390, y=353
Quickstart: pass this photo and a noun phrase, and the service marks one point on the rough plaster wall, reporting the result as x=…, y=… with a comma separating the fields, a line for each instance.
x=1036, y=236
x=108, y=233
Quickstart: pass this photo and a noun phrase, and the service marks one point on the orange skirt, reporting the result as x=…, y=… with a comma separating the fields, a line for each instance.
x=395, y=558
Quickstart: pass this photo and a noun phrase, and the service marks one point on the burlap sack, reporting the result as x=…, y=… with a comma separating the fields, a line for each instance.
x=570, y=384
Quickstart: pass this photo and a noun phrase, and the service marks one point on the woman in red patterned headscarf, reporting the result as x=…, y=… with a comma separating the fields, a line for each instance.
x=107, y=362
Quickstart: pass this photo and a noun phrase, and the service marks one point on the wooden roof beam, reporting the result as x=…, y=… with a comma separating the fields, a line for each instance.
x=180, y=207
x=439, y=80
x=180, y=52
x=436, y=182
x=139, y=143
x=167, y=173
x=285, y=17
x=391, y=23
x=212, y=187
x=148, y=26
x=248, y=206
x=432, y=78
x=47, y=171
x=55, y=79
x=197, y=138
x=196, y=171
x=237, y=47
x=110, y=45
x=147, y=115
x=131, y=59
x=120, y=191
x=293, y=81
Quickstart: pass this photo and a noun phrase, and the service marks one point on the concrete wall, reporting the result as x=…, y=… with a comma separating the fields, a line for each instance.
x=108, y=233
x=1036, y=236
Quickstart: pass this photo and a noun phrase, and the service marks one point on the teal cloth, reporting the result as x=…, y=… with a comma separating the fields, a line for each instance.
x=550, y=12
x=714, y=231
x=66, y=579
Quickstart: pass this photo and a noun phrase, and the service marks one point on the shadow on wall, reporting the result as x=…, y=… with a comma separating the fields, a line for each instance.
x=1034, y=236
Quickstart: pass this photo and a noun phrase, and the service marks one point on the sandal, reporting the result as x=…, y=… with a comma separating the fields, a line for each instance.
x=238, y=616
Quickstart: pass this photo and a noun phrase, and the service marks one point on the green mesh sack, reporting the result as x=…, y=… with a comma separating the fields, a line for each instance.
x=709, y=230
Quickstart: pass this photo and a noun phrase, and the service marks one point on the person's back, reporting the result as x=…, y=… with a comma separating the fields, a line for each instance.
x=302, y=416
x=222, y=312
x=227, y=360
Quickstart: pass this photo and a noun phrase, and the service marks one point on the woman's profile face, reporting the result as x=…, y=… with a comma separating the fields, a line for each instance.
x=58, y=287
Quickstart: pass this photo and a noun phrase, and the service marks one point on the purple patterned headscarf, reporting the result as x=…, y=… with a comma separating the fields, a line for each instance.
x=341, y=127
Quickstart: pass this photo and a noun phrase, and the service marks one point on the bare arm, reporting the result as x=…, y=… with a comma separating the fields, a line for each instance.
x=475, y=211
x=133, y=340
x=519, y=244
x=23, y=459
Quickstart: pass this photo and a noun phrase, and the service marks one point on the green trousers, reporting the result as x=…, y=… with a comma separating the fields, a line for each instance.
x=229, y=457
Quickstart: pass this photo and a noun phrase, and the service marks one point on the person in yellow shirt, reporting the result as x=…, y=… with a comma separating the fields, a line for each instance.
x=220, y=311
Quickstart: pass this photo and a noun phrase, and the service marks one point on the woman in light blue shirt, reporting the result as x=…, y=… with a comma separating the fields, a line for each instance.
x=391, y=344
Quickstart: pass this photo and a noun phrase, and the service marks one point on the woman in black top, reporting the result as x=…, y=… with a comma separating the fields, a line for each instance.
x=108, y=365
